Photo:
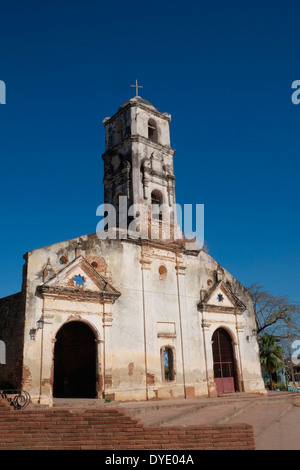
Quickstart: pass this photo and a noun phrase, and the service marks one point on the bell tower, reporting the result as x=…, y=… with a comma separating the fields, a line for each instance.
x=138, y=158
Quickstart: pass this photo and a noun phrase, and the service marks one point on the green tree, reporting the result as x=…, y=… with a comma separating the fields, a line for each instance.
x=271, y=355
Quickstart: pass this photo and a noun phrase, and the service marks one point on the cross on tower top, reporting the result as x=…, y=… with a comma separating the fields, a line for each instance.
x=136, y=86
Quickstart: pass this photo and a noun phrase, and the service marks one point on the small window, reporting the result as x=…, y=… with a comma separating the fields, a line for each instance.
x=120, y=209
x=220, y=298
x=167, y=356
x=63, y=260
x=119, y=132
x=152, y=131
x=78, y=280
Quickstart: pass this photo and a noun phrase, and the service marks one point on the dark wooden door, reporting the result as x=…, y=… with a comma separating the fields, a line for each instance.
x=75, y=362
x=224, y=373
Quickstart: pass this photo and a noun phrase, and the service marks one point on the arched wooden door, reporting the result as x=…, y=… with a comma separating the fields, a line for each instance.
x=75, y=362
x=224, y=372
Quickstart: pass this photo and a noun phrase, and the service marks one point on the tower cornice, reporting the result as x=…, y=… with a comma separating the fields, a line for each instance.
x=138, y=102
x=139, y=138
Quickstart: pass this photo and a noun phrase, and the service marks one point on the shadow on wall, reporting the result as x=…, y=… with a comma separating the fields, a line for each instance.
x=12, y=341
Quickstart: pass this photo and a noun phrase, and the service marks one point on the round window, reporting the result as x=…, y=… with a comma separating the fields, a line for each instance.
x=162, y=272
x=63, y=260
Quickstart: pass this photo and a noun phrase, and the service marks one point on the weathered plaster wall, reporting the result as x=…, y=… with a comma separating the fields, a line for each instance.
x=166, y=296
x=152, y=311
x=134, y=165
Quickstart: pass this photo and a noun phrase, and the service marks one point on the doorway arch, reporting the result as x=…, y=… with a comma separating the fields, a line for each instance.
x=224, y=363
x=75, y=362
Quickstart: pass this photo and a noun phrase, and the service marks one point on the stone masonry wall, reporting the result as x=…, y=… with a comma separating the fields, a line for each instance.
x=109, y=429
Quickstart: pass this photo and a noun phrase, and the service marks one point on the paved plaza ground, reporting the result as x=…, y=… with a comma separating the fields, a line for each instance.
x=275, y=418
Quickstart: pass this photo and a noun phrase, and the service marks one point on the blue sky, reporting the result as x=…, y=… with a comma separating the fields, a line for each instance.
x=223, y=70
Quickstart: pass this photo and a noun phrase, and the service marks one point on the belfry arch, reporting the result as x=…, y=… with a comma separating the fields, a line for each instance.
x=75, y=362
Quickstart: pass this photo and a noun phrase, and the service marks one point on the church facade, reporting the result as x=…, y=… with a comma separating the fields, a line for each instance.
x=130, y=318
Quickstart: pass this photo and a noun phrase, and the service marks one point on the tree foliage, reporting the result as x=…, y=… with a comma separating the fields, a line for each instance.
x=274, y=314
x=271, y=354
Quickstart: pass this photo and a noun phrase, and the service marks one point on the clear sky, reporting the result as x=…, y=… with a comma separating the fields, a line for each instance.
x=223, y=70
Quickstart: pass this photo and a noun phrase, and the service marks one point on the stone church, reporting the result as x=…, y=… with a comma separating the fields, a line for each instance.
x=129, y=318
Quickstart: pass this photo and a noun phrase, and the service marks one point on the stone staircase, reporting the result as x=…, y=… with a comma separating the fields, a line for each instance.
x=5, y=402
x=267, y=415
x=16, y=398
x=78, y=402
x=97, y=427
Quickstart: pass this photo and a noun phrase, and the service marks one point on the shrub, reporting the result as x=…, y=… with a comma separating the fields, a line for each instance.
x=280, y=386
x=267, y=384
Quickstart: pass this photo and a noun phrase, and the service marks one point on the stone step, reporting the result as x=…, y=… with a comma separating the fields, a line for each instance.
x=77, y=402
x=110, y=429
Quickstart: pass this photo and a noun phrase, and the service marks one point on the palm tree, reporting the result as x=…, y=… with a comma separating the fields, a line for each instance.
x=271, y=355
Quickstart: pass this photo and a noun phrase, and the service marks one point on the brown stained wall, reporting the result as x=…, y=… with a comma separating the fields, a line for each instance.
x=129, y=358
x=12, y=333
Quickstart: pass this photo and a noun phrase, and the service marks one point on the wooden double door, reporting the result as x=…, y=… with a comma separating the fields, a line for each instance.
x=224, y=370
x=75, y=362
